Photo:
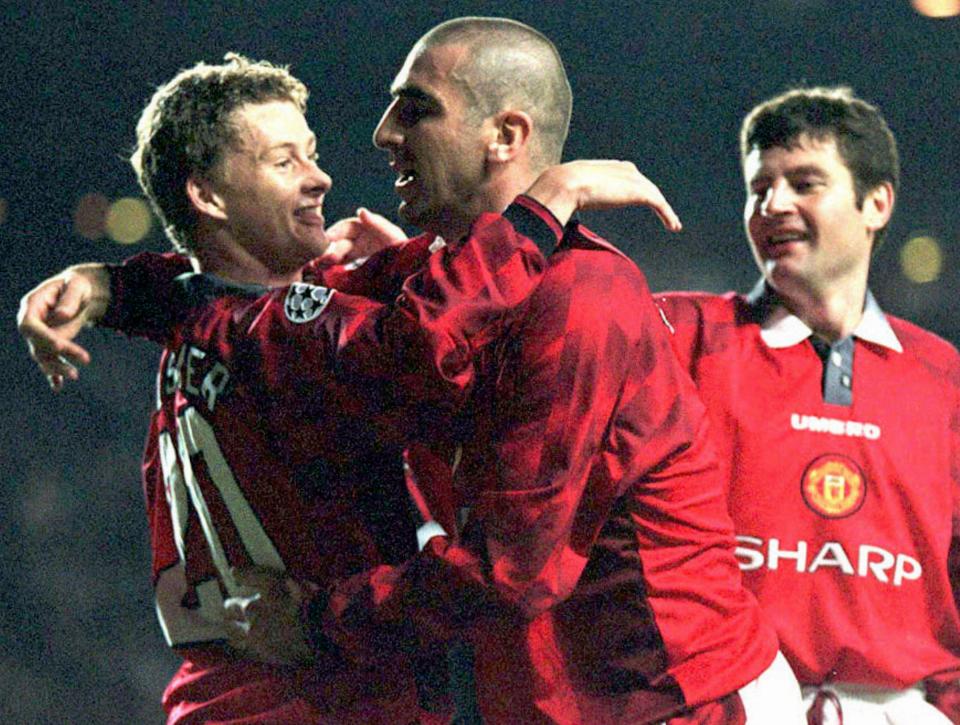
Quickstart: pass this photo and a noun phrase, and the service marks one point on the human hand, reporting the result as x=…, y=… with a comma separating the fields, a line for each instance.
x=52, y=314
x=357, y=237
x=263, y=618
x=599, y=184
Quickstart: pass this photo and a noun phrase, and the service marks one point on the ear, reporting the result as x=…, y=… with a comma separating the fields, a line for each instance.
x=204, y=198
x=878, y=206
x=510, y=135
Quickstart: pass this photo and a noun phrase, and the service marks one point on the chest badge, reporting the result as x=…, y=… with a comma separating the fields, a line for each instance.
x=834, y=486
x=305, y=302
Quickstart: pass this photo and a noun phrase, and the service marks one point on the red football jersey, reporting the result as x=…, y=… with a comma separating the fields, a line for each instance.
x=846, y=514
x=259, y=454
x=588, y=575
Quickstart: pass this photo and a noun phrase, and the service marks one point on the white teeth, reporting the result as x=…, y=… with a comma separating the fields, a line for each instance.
x=779, y=238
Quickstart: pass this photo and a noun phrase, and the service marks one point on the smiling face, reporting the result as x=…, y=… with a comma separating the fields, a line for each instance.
x=436, y=147
x=806, y=230
x=269, y=188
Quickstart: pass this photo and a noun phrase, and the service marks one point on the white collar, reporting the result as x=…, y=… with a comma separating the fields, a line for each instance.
x=781, y=328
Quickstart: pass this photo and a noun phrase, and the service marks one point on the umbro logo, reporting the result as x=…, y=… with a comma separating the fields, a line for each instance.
x=305, y=302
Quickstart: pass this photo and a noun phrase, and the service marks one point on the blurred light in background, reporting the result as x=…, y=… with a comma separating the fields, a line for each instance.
x=921, y=259
x=128, y=220
x=89, y=216
x=937, y=8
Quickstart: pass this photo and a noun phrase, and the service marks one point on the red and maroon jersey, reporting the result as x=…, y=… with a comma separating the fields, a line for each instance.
x=258, y=454
x=237, y=473
x=588, y=572
x=843, y=470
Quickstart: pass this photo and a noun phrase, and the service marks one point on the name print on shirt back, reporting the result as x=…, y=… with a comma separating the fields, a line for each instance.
x=195, y=373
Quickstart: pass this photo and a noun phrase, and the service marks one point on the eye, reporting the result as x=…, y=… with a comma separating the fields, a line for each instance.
x=805, y=186
x=410, y=112
x=283, y=163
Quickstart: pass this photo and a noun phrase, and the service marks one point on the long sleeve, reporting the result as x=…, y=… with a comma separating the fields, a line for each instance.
x=943, y=689
x=417, y=351
x=588, y=476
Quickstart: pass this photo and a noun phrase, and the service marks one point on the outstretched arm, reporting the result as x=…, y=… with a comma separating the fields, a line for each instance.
x=597, y=184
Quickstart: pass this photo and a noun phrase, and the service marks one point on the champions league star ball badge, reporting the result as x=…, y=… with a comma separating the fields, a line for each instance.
x=305, y=302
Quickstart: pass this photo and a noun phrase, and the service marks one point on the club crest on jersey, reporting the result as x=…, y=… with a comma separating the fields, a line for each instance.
x=834, y=486
x=305, y=302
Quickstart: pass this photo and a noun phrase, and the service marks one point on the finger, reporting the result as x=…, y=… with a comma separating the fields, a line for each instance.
x=343, y=229
x=48, y=348
x=654, y=198
x=237, y=632
x=336, y=252
x=36, y=304
x=667, y=215
x=384, y=227
x=69, y=303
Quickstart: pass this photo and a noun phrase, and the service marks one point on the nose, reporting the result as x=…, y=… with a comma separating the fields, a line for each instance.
x=387, y=132
x=778, y=199
x=316, y=180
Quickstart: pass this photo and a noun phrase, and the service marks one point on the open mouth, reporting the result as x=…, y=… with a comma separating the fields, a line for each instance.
x=405, y=178
x=787, y=237
x=312, y=215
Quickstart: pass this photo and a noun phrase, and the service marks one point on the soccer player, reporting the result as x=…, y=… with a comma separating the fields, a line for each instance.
x=837, y=423
x=581, y=568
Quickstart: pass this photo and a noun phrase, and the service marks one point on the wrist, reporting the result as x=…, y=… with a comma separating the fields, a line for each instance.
x=98, y=284
x=557, y=191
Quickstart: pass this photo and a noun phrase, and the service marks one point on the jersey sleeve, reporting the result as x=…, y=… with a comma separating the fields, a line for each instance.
x=602, y=418
x=143, y=298
x=943, y=690
x=421, y=348
x=416, y=350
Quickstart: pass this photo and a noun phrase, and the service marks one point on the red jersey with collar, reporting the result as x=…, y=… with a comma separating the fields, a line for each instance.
x=259, y=454
x=847, y=516
x=589, y=570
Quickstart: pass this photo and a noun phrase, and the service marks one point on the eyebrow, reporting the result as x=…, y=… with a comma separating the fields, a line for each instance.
x=417, y=94
x=804, y=170
x=807, y=169
x=311, y=142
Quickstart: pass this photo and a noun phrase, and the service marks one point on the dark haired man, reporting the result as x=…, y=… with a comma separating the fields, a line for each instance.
x=580, y=561
x=837, y=424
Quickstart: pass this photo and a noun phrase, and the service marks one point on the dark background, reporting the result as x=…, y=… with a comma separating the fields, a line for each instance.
x=663, y=83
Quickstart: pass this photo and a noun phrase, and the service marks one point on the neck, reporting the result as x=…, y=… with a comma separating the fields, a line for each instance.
x=832, y=314
x=505, y=185
x=234, y=263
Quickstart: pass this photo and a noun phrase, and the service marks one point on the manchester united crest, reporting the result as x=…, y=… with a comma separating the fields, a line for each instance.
x=305, y=302
x=834, y=486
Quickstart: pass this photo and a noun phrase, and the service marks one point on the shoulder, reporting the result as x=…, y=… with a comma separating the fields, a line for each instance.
x=702, y=308
x=928, y=347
